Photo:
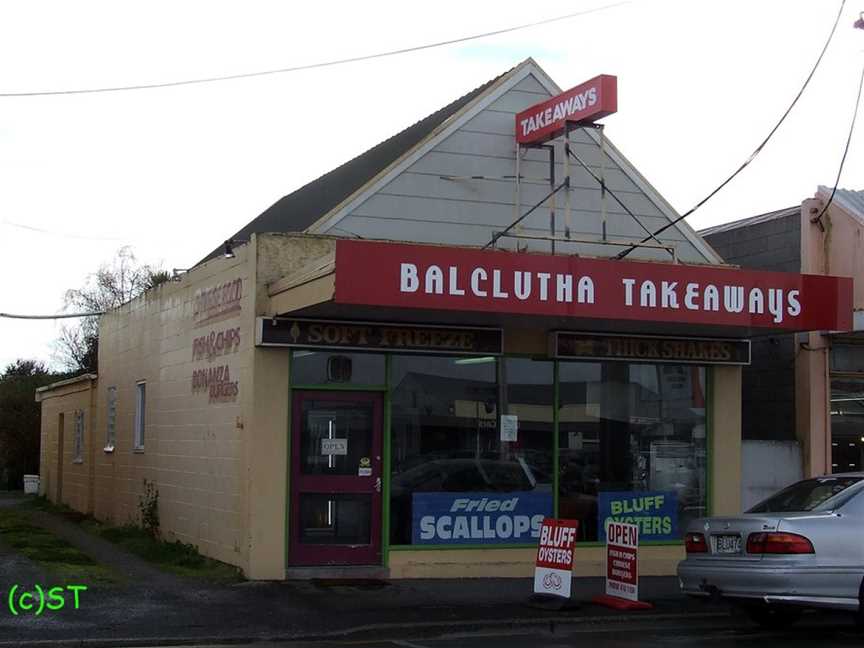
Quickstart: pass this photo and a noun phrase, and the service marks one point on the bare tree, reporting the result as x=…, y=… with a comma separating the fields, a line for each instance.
x=112, y=285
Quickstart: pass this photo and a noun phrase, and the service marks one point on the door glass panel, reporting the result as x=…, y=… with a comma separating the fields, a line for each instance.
x=336, y=438
x=327, y=518
x=329, y=367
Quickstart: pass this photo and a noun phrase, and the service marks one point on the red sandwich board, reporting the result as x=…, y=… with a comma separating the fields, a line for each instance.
x=622, y=568
x=553, y=571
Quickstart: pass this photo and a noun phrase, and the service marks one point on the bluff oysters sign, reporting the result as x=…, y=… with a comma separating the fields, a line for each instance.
x=467, y=279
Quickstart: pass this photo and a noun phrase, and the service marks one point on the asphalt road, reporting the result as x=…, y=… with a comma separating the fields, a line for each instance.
x=630, y=635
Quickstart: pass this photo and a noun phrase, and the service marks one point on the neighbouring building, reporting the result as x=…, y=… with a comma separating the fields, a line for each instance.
x=403, y=366
x=806, y=388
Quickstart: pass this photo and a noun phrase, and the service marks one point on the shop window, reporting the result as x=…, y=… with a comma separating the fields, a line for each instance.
x=847, y=357
x=471, y=450
x=336, y=367
x=78, y=438
x=111, y=420
x=847, y=424
x=632, y=447
x=140, y=407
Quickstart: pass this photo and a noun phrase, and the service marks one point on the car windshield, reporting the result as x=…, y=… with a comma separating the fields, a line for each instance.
x=819, y=494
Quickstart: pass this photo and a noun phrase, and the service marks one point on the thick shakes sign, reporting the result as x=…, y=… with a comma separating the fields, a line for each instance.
x=553, y=570
x=586, y=102
x=465, y=279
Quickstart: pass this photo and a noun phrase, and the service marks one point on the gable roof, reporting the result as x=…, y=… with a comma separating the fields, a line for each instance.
x=488, y=94
x=300, y=209
x=321, y=204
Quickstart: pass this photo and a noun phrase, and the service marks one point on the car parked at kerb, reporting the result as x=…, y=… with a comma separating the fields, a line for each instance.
x=801, y=548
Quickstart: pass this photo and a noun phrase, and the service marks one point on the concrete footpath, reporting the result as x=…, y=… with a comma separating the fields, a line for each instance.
x=310, y=610
x=151, y=607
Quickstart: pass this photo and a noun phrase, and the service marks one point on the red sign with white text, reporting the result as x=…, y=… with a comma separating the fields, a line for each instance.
x=553, y=570
x=586, y=102
x=622, y=562
x=464, y=279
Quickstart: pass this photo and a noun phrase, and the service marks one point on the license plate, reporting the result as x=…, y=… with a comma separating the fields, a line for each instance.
x=727, y=544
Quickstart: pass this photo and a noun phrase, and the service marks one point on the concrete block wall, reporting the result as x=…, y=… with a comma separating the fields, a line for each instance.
x=58, y=463
x=193, y=448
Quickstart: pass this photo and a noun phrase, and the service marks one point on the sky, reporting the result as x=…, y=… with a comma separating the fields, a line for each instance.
x=173, y=172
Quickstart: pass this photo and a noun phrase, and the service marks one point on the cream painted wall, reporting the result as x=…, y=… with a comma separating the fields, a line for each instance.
x=519, y=563
x=725, y=449
x=194, y=445
x=836, y=248
x=268, y=461
x=77, y=477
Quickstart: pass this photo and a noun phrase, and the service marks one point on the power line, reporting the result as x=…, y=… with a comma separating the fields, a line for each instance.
x=759, y=148
x=49, y=317
x=311, y=66
x=70, y=235
x=818, y=219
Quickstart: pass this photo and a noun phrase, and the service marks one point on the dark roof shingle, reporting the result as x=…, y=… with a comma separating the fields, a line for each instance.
x=300, y=209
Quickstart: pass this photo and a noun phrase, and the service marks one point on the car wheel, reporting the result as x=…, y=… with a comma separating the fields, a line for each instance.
x=773, y=616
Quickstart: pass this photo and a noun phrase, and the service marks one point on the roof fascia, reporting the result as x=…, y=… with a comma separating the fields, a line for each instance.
x=444, y=130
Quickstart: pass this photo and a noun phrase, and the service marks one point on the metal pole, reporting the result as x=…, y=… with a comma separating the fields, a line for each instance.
x=517, y=204
x=497, y=235
x=552, y=187
x=567, y=198
x=618, y=200
x=603, y=180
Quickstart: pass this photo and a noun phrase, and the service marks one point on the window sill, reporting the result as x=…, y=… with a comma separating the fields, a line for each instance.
x=137, y=450
x=77, y=461
x=108, y=449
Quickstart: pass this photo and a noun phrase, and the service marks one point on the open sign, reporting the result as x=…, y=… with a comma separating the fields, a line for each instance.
x=334, y=446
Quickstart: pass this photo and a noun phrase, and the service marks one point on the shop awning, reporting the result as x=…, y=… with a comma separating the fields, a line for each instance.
x=383, y=281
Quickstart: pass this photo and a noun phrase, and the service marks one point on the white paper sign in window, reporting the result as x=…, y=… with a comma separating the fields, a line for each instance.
x=334, y=446
x=509, y=427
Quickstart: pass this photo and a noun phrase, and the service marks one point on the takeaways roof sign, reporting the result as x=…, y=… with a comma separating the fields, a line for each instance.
x=588, y=101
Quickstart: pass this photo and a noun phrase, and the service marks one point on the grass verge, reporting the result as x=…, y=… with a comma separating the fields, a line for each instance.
x=54, y=554
x=175, y=557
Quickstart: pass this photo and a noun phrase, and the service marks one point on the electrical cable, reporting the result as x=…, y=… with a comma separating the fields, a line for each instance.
x=311, y=66
x=40, y=230
x=759, y=148
x=818, y=219
x=48, y=317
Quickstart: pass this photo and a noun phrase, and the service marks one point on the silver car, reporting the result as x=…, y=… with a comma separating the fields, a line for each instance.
x=801, y=548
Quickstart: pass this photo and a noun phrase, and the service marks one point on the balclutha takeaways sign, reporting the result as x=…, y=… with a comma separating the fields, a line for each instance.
x=468, y=279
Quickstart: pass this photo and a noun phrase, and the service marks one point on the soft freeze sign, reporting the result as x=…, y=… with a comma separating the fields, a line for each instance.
x=622, y=570
x=554, y=567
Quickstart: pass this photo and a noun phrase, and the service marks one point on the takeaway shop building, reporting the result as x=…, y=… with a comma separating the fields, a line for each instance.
x=404, y=366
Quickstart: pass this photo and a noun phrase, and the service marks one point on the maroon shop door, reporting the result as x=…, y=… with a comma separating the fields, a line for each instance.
x=336, y=479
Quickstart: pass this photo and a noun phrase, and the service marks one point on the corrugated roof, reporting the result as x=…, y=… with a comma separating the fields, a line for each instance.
x=752, y=220
x=852, y=201
x=300, y=209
